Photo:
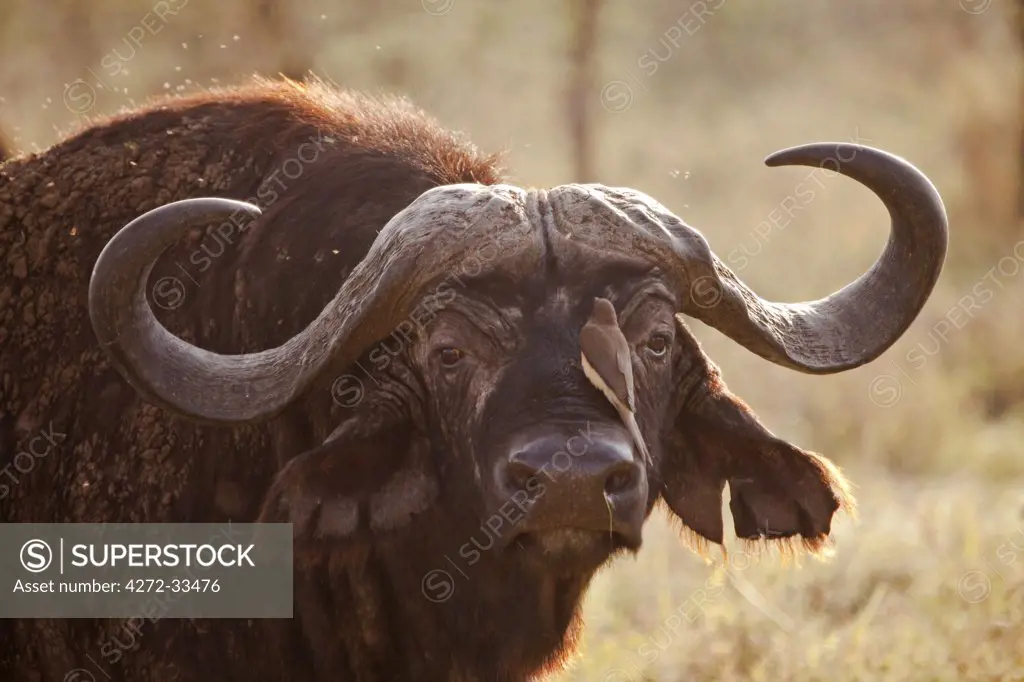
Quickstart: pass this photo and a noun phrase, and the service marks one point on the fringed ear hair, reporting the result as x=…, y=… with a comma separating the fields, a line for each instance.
x=781, y=497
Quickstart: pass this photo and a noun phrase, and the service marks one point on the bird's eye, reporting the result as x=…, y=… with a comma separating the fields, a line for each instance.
x=450, y=356
x=657, y=345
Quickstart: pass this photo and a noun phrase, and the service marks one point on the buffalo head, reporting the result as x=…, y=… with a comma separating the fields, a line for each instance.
x=464, y=321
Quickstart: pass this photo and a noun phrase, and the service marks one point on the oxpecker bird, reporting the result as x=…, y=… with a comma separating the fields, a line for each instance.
x=607, y=364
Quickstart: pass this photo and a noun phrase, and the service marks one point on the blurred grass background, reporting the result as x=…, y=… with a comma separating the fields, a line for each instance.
x=929, y=585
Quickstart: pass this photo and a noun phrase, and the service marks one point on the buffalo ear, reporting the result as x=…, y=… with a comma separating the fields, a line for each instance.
x=370, y=475
x=778, y=491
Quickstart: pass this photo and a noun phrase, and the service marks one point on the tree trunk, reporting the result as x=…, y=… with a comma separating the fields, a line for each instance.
x=583, y=16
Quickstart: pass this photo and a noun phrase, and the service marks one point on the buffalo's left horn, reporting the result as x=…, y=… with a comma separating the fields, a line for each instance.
x=844, y=330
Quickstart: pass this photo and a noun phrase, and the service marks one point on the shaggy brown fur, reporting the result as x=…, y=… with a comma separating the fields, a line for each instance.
x=119, y=459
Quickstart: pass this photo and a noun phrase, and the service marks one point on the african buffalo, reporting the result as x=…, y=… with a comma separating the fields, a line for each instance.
x=386, y=354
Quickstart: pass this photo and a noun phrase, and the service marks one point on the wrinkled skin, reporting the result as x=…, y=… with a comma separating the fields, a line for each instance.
x=518, y=366
x=521, y=368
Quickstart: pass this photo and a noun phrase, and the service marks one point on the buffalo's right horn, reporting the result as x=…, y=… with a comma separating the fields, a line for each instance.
x=417, y=246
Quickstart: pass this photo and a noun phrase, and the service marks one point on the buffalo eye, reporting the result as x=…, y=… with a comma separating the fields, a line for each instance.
x=657, y=345
x=450, y=356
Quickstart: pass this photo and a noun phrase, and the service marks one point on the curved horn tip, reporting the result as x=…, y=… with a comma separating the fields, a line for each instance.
x=868, y=165
x=815, y=153
x=204, y=204
x=186, y=210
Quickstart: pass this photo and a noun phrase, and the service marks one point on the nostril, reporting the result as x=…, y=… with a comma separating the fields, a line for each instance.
x=518, y=475
x=621, y=480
